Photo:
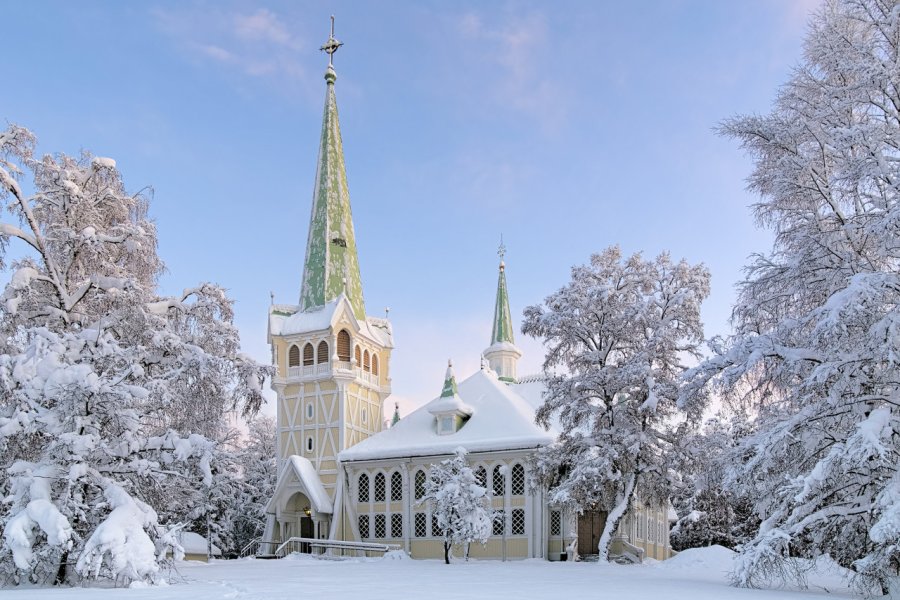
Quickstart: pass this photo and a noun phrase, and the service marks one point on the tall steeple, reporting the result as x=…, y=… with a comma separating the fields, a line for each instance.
x=331, y=266
x=502, y=354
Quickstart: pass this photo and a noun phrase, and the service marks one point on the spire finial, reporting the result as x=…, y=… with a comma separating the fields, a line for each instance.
x=332, y=45
x=501, y=251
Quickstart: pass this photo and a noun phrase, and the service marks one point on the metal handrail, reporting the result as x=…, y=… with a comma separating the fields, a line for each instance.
x=252, y=548
x=293, y=542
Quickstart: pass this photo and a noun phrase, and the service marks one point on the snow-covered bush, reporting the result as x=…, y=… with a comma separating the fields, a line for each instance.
x=618, y=331
x=109, y=393
x=461, y=507
x=815, y=357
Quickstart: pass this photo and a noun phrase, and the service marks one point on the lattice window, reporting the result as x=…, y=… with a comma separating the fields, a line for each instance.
x=436, y=530
x=367, y=363
x=499, y=481
x=294, y=357
x=363, y=488
x=518, y=480
x=343, y=345
x=308, y=358
x=421, y=522
x=322, y=352
x=518, y=521
x=555, y=522
x=396, y=487
x=357, y=354
x=380, y=526
x=420, y=484
x=499, y=525
x=481, y=477
x=396, y=526
x=374, y=364
x=379, y=487
x=364, y=526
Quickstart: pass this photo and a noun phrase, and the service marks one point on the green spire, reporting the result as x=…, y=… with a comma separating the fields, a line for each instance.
x=503, y=329
x=450, y=389
x=331, y=265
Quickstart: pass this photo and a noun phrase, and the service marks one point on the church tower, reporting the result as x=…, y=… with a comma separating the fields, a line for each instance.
x=332, y=360
x=502, y=354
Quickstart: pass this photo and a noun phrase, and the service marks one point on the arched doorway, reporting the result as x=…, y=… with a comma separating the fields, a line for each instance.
x=297, y=519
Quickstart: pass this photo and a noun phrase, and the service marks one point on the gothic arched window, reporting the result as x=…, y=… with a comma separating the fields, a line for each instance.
x=367, y=366
x=322, y=352
x=294, y=357
x=499, y=481
x=481, y=477
x=363, y=488
x=420, y=484
x=518, y=480
x=343, y=346
x=379, y=487
x=307, y=355
x=357, y=354
x=396, y=487
x=374, y=364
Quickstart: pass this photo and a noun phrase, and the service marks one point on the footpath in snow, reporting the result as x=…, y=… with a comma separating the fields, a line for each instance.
x=700, y=574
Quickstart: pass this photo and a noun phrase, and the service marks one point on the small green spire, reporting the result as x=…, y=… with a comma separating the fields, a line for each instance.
x=450, y=389
x=396, y=417
x=332, y=265
x=503, y=328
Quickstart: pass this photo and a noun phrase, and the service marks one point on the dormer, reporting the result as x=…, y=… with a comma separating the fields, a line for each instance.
x=450, y=412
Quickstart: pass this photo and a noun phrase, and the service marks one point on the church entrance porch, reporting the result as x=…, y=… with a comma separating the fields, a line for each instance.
x=296, y=520
x=590, y=528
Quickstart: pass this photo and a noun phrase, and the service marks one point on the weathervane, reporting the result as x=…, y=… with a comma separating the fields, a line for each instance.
x=501, y=251
x=332, y=45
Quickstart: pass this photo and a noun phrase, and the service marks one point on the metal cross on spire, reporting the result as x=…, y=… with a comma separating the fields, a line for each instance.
x=332, y=45
x=501, y=251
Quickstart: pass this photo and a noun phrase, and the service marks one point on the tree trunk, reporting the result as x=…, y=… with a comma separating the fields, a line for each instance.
x=61, y=572
x=447, y=553
x=612, y=520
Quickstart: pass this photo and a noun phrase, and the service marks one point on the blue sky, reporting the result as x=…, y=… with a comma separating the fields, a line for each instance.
x=565, y=126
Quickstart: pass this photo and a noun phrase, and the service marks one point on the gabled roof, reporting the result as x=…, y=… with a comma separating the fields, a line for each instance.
x=296, y=470
x=289, y=319
x=500, y=420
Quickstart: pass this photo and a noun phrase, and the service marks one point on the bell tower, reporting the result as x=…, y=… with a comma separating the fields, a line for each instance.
x=333, y=361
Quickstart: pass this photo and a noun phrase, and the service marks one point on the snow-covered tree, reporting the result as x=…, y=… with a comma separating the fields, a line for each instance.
x=816, y=348
x=616, y=336
x=256, y=460
x=109, y=393
x=461, y=507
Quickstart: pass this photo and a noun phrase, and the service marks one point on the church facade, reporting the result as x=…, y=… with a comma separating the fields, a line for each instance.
x=343, y=474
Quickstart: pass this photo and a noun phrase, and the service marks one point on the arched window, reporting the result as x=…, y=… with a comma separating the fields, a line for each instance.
x=374, y=364
x=307, y=355
x=367, y=366
x=518, y=480
x=396, y=487
x=481, y=477
x=379, y=487
x=322, y=352
x=499, y=481
x=294, y=357
x=363, y=488
x=343, y=346
x=420, y=484
x=358, y=356
x=309, y=444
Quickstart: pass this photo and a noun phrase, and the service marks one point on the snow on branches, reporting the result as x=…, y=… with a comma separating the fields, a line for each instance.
x=815, y=357
x=108, y=393
x=460, y=505
x=619, y=331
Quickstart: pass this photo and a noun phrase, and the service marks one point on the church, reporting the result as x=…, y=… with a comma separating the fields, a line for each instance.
x=346, y=475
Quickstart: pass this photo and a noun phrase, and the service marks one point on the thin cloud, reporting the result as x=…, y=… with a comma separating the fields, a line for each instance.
x=258, y=44
x=519, y=47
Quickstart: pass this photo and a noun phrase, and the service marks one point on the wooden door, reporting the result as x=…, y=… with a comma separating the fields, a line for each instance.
x=590, y=527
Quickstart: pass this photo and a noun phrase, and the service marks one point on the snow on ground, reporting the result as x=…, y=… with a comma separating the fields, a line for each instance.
x=699, y=574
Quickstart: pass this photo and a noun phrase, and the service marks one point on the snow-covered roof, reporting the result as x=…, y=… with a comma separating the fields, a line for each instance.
x=501, y=419
x=299, y=469
x=288, y=319
x=194, y=543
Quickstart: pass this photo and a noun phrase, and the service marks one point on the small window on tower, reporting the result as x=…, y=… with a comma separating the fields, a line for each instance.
x=343, y=346
x=294, y=357
x=307, y=355
x=365, y=416
x=367, y=365
x=374, y=364
x=310, y=410
x=322, y=352
x=357, y=354
x=309, y=444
